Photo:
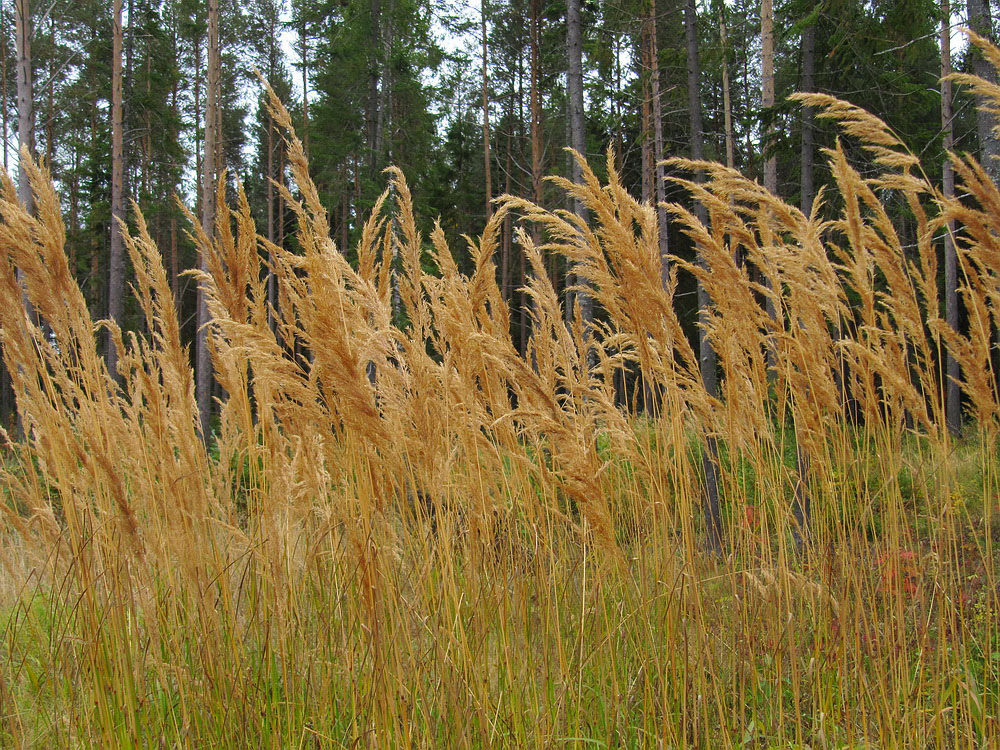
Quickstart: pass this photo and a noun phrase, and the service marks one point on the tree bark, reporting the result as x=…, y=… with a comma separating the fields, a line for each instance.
x=536, y=156
x=203, y=385
x=706, y=354
x=25, y=121
x=116, y=269
x=6, y=401
x=981, y=22
x=770, y=161
x=304, y=42
x=486, y=117
x=807, y=190
x=25, y=100
x=505, y=251
x=3, y=84
x=51, y=94
x=272, y=281
x=646, y=113
x=727, y=105
x=989, y=145
x=578, y=141
x=953, y=399
x=767, y=92
x=658, y=151
x=371, y=116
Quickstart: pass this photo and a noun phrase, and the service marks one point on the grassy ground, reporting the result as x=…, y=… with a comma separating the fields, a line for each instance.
x=524, y=635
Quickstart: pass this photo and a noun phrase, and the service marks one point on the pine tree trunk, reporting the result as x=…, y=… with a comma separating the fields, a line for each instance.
x=578, y=141
x=3, y=84
x=203, y=385
x=304, y=42
x=953, y=399
x=486, y=117
x=767, y=92
x=199, y=135
x=770, y=160
x=646, y=113
x=808, y=128
x=658, y=151
x=371, y=115
x=505, y=251
x=384, y=109
x=272, y=281
x=116, y=269
x=706, y=354
x=25, y=100
x=727, y=104
x=51, y=93
x=989, y=145
x=536, y=149
x=6, y=397
x=25, y=120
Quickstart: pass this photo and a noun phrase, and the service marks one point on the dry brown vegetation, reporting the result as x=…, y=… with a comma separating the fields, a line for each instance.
x=410, y=534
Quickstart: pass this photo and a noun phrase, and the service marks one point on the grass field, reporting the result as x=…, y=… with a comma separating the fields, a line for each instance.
x=406, y=533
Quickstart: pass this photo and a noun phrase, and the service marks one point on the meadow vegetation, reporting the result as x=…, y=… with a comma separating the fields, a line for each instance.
x=406, y=533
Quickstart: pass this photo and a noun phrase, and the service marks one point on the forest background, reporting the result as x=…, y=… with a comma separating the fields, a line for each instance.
x=470, y=103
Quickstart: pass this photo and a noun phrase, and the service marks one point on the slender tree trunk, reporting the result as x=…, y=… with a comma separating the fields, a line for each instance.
x=25, y=100
x=648, y=74
x=505, y=250
x=981, y=22
x=50, y=89
x=382, y=148
x=767, y=92
x=801, y=505
x=658, y=150
x=619, y=120
x=578, y=139
x=522, y=260
x=371, y=116
x=209, y=184
x=304, y=43
x=272, y=281
x=536, y=136
x=3, y=84
x=727, y=105
x=646, y=136
x=74, y=210
x=707, y=354
x=25, y=120
x=6, y=400
x=116, y=270
x=808, y=127
x=199, y=126
x=989, y=145
x=770, y=160
x=174, y=251
x=486, y=116
x=707, y=358
x=345, y=216
x=147, y=166
x=953, y=398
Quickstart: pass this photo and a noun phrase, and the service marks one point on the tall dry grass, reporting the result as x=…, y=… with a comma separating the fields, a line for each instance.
x=412, y=534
